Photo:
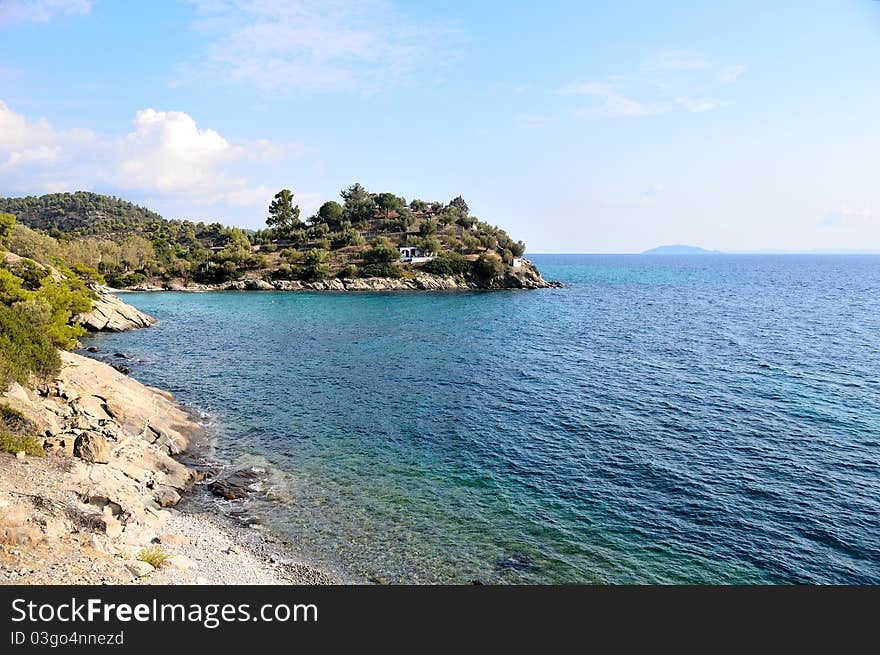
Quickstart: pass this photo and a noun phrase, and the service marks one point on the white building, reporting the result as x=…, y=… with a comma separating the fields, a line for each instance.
x=517, y=262
x=414, y=255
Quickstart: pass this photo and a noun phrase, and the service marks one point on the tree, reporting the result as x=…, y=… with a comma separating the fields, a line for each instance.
x=459, y=204
x=358, y=203
x=283, y=214
x=427, y=228
x=430, y=245
x=388, y=202
x=330, y=214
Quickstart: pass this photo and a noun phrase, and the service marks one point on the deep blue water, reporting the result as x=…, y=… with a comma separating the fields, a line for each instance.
x=660, y=419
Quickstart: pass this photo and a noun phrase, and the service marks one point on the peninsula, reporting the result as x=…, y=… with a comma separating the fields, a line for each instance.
x=368, y=241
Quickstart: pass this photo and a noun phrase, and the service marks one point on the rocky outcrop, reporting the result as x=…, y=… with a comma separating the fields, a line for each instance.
x=527, y=277
x=119, y=437
x=112, y=314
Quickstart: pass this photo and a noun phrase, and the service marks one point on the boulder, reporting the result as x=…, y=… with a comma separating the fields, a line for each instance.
x=92, y=448
x=112, y=314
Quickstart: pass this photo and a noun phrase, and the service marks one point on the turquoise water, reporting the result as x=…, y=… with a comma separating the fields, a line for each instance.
x=659, y=419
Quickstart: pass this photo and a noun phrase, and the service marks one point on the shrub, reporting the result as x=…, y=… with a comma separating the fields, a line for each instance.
x=15, y=443
x=382, y=251
x=447, y=263
x=383, y=269
x=348, y=271
x=119, y=279
x=488, y=266
x=153, y=556
x=25, y=346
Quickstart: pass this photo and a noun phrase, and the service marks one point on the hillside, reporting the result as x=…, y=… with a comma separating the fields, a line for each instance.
x=81, y=213
x=367, y=235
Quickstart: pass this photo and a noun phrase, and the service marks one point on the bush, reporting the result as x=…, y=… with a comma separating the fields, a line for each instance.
x=120, y=280
x=381, y=252
x=348, y=271
x=383, y=269
x=25, y=346
x=448, y=263
x=488, y=266
x=15, y=443
x=154, y=556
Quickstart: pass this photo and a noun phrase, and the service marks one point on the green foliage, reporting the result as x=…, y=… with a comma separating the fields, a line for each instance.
x=33, y=245
x=488, y=266
x=283, y=215
x=382, y=251
x=358, y=205
x=313, y=266
x=459, y=204
x=16, y=443
x=348, y=237
x=154, y=556
x=388, y=202
x=7, y=223
x=348, y=271
x=330, y=214
x=448, y=263
x=381, y=269
x=81, y=213
x=25, y=347
x=101, y=238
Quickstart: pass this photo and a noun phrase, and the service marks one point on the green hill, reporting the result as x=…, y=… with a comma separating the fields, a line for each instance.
x=81, y=213
x=361, y=236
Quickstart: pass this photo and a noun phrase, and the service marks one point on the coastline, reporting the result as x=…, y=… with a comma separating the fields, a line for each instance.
x=528, y=277
x=106, y=490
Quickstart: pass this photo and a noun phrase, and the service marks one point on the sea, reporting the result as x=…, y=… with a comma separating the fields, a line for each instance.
x=658, y=420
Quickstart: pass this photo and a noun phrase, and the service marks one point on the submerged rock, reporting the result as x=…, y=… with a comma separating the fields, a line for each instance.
x=237, y=484
x=514, y=561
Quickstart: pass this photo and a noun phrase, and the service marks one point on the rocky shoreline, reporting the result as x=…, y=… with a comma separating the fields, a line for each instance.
x=526, y=278
x=104, y=495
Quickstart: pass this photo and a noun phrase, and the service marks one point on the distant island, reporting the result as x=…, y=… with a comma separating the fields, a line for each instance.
x=679, y=249
x=368, y=241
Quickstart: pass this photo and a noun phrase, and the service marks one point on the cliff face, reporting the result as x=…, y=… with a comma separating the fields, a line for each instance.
x=111, y=314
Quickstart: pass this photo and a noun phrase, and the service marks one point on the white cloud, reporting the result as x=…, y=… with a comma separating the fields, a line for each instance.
x=165, y=155
x=41, y=11
x=610, y=100
x=698, y=105
x=313, y=45
x=24, y=141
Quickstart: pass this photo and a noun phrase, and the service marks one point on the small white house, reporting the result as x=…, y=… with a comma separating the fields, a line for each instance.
x=414, y=255
x=408, y=252
x=517, y=262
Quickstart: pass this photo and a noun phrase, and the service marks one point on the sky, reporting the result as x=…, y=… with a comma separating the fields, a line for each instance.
x=577, y=126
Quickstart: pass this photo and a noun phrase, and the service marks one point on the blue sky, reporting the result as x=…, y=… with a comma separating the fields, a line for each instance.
x=577, y=126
